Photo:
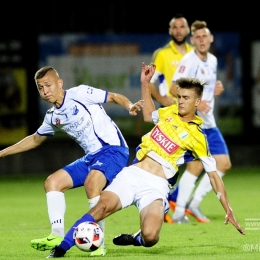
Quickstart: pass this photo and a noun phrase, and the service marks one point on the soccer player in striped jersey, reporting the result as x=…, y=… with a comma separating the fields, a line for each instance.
x=79, y=113
x=177, y=134
x=200, y=64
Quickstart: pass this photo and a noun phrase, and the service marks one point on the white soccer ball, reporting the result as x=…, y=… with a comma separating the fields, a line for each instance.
x=88, y=236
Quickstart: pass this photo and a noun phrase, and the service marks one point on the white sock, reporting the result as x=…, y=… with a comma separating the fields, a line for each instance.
x=92, y=202
x=203, y=188
x=56, y=209
x=186, y=186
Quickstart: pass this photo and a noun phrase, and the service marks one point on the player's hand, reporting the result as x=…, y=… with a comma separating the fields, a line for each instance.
x=147, y=72
x=134, y=108
x=219, y=88
x=167, y=101
x=230, y=218
x=204, y=107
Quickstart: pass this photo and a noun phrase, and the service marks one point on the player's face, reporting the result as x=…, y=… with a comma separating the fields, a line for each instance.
x=187, y=102
x=179, y=30
x=50, y=87
x=202, y=40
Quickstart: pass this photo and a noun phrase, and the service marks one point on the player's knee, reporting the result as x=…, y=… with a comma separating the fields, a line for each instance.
x=100, y=210
x=150, y=238
x=50, y=184
x=95, y=183
x=226, y=166
x=150, y=242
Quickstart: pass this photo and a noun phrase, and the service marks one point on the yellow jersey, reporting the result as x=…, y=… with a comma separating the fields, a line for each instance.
x=176, y=141
x=167, y=60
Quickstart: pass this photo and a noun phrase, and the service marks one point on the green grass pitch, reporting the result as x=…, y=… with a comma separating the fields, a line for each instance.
x=24, y=217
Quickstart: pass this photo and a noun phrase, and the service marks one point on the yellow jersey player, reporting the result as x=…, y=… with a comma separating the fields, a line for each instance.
x=167, y=60
x=144, y=184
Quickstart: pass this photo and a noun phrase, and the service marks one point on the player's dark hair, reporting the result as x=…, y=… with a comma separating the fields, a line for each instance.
x=191, y=83
x=41, y=72
x=176, y=16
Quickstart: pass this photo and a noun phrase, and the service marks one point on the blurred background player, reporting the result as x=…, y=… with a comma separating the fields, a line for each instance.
x=167, y=59
x=200, y=64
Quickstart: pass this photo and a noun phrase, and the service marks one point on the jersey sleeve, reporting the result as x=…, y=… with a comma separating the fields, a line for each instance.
x=209, y=163
x=184, y=69
x=46, y=129
x=155, y=117
x=92, y=95
x=155, y=77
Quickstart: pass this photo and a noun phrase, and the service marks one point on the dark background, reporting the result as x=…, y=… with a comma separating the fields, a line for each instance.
x=21, y=21
x=24, y=22
x=120, y=16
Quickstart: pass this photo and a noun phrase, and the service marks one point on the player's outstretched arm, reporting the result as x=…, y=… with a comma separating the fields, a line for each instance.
x=28, y=143
x=123, y=101
x=219, y=188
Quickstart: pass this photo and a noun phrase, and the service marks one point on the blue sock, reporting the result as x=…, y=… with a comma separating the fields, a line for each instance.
x=68, y=240
x=174, y=194
x=139, y=240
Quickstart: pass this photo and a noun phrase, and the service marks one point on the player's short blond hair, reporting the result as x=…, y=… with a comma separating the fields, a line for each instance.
x=197, y=25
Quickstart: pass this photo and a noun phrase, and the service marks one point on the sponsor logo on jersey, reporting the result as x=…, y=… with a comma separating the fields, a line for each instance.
x=182, y=69
x=57, y=121
x=163, y=141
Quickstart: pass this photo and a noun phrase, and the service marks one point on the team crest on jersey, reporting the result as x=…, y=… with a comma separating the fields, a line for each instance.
x=182, y=69
x=57, y=121
x=75, y=110
x=169, y=119
x=202, y=71
x=163, y=141
x=183, y=135
x=175, y=63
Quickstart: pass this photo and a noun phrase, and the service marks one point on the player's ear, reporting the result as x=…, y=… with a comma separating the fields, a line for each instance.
x=211, y=38
x=60, y=81
x=198, y=100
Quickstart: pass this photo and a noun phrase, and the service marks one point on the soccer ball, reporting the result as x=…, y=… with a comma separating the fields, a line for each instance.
x=88, y=236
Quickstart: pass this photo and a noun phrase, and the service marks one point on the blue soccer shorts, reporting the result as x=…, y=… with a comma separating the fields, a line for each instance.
x=217, y=144
x=110, y=160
